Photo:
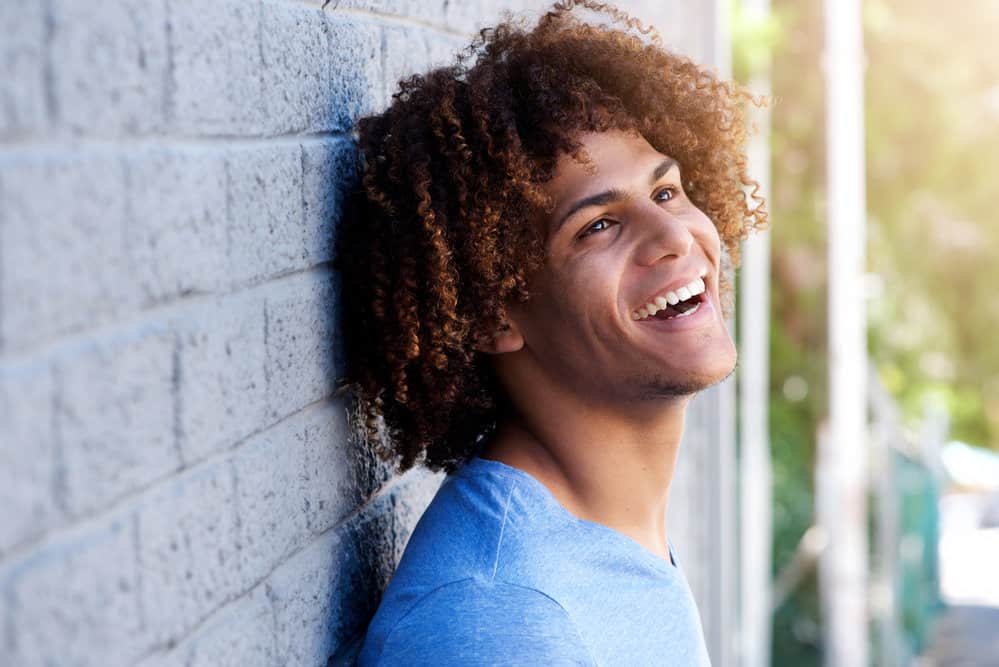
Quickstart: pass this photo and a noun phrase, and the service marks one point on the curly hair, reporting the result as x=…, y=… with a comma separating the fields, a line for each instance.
x=436, y=237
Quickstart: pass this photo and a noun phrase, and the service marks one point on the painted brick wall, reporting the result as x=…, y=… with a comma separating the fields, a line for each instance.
x=177, y=484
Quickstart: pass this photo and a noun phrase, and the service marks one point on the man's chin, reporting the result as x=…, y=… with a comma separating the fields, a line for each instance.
x=672, y=387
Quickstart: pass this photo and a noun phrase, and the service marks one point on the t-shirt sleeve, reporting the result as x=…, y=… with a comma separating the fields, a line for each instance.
x=475, y=622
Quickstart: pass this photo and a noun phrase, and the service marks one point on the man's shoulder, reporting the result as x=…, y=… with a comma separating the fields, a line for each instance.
x=477, y=620
x=479, y=582
x=483, y=525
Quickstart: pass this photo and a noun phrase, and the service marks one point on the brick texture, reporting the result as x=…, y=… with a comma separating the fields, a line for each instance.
x=22, y=97
x=180, y=486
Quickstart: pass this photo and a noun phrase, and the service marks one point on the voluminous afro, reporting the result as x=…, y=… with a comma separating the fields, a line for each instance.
x=437, y=236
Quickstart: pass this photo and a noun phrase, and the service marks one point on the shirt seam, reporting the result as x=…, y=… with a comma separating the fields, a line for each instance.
x=412, y=608
x=568, y=616
x=572, y=622
x=422, y=598
x=502, y=530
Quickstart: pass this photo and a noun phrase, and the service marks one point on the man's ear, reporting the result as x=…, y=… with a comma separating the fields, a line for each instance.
x=505, y=338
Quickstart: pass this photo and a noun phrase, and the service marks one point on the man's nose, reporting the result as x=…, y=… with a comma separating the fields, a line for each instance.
x=663, y=235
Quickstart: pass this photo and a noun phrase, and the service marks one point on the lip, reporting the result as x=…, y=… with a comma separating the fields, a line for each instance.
x=703, y=273
x=705, y=313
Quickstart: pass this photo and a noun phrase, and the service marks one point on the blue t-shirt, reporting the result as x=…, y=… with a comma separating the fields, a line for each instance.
x=498, y=572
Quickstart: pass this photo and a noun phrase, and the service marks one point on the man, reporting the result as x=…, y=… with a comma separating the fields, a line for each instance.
x=532, y=294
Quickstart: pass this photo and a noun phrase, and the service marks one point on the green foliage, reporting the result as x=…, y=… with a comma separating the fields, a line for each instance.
x=754, y=40
x=932, y=119
x=797, y=634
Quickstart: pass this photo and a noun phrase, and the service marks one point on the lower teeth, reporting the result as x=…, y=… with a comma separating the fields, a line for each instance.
x=671, y=313
x=688, y=313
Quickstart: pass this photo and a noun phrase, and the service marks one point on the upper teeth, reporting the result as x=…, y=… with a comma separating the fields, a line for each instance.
x=670, y=298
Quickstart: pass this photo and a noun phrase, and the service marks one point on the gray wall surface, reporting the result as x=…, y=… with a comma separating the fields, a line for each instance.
x=178, y=485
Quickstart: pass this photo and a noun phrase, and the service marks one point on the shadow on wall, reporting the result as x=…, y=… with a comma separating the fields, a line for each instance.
x=374, y=536
x=363, y=556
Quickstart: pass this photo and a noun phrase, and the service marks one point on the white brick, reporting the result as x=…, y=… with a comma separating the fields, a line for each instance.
x=472, y=15
x=356, y=62
x=325, y=595
x=62, y=253
x=247, y=69
x=329, y=170
x=115, y=416
x=22, y=89
x=300, y=335
x=684, y=26
x=216, y=66
x=335, y=478
x=188, y=550
x=303, y=592
x=239, y=635
x=266, y=225
x=270, y=498
x=109, y=65
x=76, y=602
x=177, y=242
x=442, y=50
x=27, y=452
x=296, y=58
x=222, y=382
x=410, y=50
x=407, y=52
x=293, y=481
x=467, y=16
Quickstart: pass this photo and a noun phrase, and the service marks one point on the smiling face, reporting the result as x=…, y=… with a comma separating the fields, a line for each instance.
x=616, y=240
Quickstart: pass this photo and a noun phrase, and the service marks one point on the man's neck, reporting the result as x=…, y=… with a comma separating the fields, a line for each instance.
x=607, y=469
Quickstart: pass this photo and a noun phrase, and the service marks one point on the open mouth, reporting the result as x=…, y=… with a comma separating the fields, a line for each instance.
x=671, y=305
x=681, y=309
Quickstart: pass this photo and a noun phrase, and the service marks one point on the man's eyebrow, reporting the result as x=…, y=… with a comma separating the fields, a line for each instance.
x=612, y=195
x=661, y=170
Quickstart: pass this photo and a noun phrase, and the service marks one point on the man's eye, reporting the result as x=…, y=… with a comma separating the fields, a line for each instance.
x=670, y=189
x=596, y=228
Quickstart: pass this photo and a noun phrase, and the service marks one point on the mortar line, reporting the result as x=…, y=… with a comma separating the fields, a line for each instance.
x=59, y=485
x=369, y=14
x=159, y=313
x=86, y=520
x=139, y=591
x=178, y=399
x=169, y=75
x=166, y=647
x=59, y=146
x=48, y=72
x=3, y=226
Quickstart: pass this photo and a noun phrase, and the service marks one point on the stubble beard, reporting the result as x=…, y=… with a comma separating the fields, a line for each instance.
x=662, y=387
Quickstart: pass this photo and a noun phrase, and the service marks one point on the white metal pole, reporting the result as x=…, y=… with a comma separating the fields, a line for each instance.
x=722, y=635
x=756, y=478
x=843, y=567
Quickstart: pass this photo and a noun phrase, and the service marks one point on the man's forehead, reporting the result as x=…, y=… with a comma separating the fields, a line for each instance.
x=615, y=159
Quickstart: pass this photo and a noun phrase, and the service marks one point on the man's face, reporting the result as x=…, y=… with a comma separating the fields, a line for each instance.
x=605, y=261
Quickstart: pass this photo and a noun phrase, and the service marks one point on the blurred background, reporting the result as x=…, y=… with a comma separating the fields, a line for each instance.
x=924, y=513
